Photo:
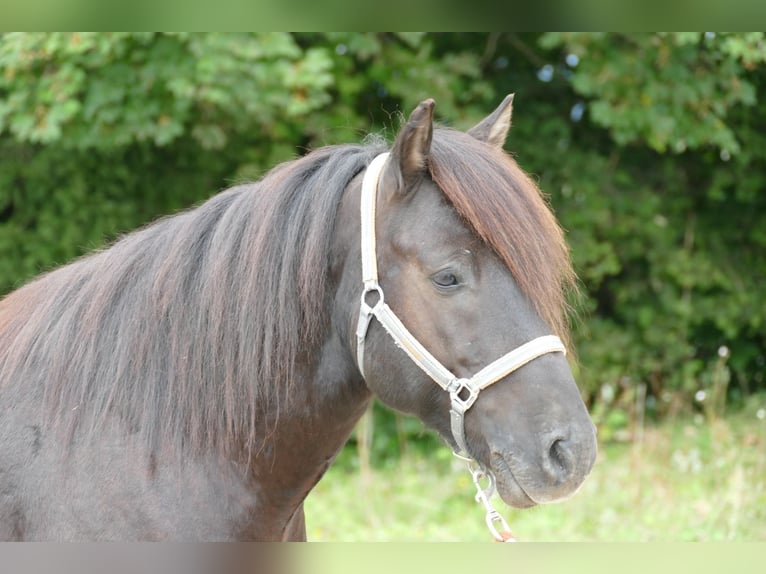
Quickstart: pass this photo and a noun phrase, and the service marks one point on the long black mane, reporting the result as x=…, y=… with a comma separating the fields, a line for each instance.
x=183, y=327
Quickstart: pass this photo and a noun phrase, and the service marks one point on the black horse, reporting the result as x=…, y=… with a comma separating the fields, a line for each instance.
x=196, y=379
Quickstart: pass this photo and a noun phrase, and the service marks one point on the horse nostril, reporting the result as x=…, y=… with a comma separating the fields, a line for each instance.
x=560, y=463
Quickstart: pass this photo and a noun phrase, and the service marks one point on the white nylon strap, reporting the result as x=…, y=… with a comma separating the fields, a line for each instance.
x=463, y=392
x=410, y=345
x=517, y=358
x=369, y=202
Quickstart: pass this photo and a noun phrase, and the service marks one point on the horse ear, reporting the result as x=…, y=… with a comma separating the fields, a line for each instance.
x=409, y=155
x=494, y=128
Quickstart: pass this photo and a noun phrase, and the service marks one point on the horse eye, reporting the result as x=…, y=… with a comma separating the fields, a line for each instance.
x=446, y=279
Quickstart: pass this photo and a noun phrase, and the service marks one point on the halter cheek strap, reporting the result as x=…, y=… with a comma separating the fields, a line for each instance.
x=463, y=392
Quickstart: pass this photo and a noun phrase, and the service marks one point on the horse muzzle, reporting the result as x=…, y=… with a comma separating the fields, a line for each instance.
x=556, y=473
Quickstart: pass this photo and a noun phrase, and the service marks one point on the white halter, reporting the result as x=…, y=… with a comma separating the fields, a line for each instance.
x=463, y=392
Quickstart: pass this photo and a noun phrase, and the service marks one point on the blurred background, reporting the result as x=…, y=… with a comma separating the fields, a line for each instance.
x=651, y=148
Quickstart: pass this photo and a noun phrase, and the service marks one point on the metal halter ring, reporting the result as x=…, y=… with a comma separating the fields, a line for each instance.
x=366, y=313
x=457, y=390
x=369, y=287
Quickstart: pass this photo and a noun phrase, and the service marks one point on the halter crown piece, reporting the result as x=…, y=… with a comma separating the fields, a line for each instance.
x=463, y=392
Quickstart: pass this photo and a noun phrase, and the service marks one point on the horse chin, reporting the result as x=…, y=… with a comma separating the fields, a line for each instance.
x=509, y=489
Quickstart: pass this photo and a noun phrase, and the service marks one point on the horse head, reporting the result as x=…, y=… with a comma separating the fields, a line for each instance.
x=472, y=265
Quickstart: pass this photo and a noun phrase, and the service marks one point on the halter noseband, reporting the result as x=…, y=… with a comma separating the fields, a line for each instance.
x=463, y=392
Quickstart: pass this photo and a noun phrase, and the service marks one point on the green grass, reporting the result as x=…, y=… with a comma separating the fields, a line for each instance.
x=688, y=479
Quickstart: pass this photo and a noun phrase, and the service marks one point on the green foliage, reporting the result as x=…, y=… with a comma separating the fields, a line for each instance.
x=667, y=214
x=650, y=146
x=668, y=91
x=111, y=90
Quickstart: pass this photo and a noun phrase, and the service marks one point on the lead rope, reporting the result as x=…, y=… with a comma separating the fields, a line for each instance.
x=483, y=496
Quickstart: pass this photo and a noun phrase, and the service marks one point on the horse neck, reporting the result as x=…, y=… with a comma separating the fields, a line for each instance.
x=328, y=395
